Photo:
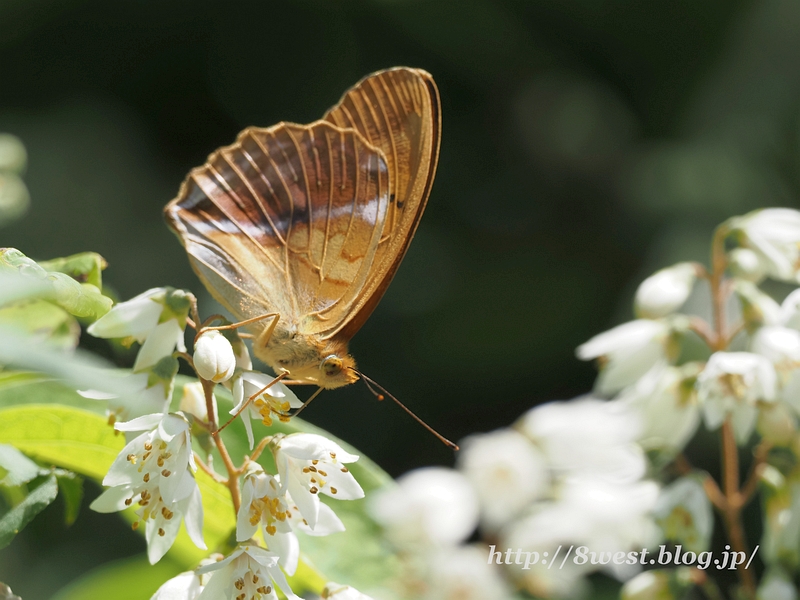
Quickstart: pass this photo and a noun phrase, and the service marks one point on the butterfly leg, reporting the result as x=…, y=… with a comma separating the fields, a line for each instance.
x=249, y=400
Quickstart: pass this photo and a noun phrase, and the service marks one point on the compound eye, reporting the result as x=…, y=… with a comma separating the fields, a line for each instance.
x=331, y=365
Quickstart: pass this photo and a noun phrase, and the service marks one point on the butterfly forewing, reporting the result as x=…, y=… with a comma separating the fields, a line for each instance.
x=397, y=111
x=287, y=219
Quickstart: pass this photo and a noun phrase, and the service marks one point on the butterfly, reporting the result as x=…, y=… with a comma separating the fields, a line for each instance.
x=309, y=223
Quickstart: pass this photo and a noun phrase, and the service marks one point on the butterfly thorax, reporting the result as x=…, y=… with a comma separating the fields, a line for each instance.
x=305, y=357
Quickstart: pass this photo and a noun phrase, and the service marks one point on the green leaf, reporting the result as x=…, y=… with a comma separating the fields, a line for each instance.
x=18, y=468
x=43, y=320
x=86, y=267
x=67, y=437
x=23, y=513
x=81, y=369
x=71, y=487
x=24, y=387
x=79, y=299
x=127, y=579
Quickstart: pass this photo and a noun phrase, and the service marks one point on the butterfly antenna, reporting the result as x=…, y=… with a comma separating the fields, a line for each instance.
x=381, y=393
x=307, y=402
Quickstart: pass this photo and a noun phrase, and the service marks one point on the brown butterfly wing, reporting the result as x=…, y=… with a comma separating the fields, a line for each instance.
x=397, y=111
x=287, y=219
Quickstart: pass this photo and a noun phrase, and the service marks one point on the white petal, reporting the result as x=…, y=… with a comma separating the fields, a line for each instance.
x=136, y=317
x=185, y=586
x=143, y=423
x=158, y=545
x=346, y=486
x=307, y=502
x=160, y=343
x=310, y=446
x=286, y=546
x=111, y=500
x=665, y=291
x=327, y=522
x=193, y=519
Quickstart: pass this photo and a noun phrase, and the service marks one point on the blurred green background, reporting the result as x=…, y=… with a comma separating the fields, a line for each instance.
x=586, y=143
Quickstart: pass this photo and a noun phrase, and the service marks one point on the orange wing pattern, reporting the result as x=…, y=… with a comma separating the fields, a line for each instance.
x=286, y=220
x=398, y=111
x=312, y=221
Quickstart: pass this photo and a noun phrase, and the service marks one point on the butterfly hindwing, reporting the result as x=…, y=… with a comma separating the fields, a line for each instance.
x=287, y=219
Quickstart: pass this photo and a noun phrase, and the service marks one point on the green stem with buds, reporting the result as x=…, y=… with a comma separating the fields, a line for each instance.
x=733, y=500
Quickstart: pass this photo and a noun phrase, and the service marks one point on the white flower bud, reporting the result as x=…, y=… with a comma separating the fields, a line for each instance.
x=745, y=264
x=665, y=291
x=774, y=235
x=214, y=359
x=648, y=586
x=193, y=401
x=757, y=307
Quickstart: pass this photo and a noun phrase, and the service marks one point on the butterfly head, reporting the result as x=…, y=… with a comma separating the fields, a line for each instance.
x=307, y=358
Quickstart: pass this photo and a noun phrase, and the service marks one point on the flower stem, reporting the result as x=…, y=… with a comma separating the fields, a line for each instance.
x=731, y=509
x=233, y=474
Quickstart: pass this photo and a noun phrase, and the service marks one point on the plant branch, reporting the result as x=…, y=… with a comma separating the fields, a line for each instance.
x=730, y=505
x=208, y=470
x=233, y=474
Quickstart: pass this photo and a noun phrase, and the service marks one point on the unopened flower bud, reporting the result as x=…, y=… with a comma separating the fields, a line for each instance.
x=745, y=264
x=665, y=291
x=214, y=359
x=194, y=401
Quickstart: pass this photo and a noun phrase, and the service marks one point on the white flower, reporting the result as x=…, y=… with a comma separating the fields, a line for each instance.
x=134, y=318
x=336, y=591
x=185, y=586
x=267, y=506
x=507, y=471
x=193, y=402
x=249, y=573
x=214, y=359
x=150, y=393
x=757, y=307
x=155, y=470
x=156, y=319
x=600, y=515
x=587, y=435
x=780, y=345
x=430, y=506
x=776, y=585
x=464, y=573
x=731, y=384
x=629, y=350
x=275, y=401
x=790, y=310
x=665, y=291
x=650, y=585
x=685, y=514
x=667, y=403
x=745, y=264
x=774, y=235
x=309, y=465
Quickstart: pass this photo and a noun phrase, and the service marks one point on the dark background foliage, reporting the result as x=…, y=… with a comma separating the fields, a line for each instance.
x=585, y=144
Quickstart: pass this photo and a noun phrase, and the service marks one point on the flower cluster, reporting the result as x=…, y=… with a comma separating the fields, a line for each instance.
x=606, y=471
x=155, y=472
